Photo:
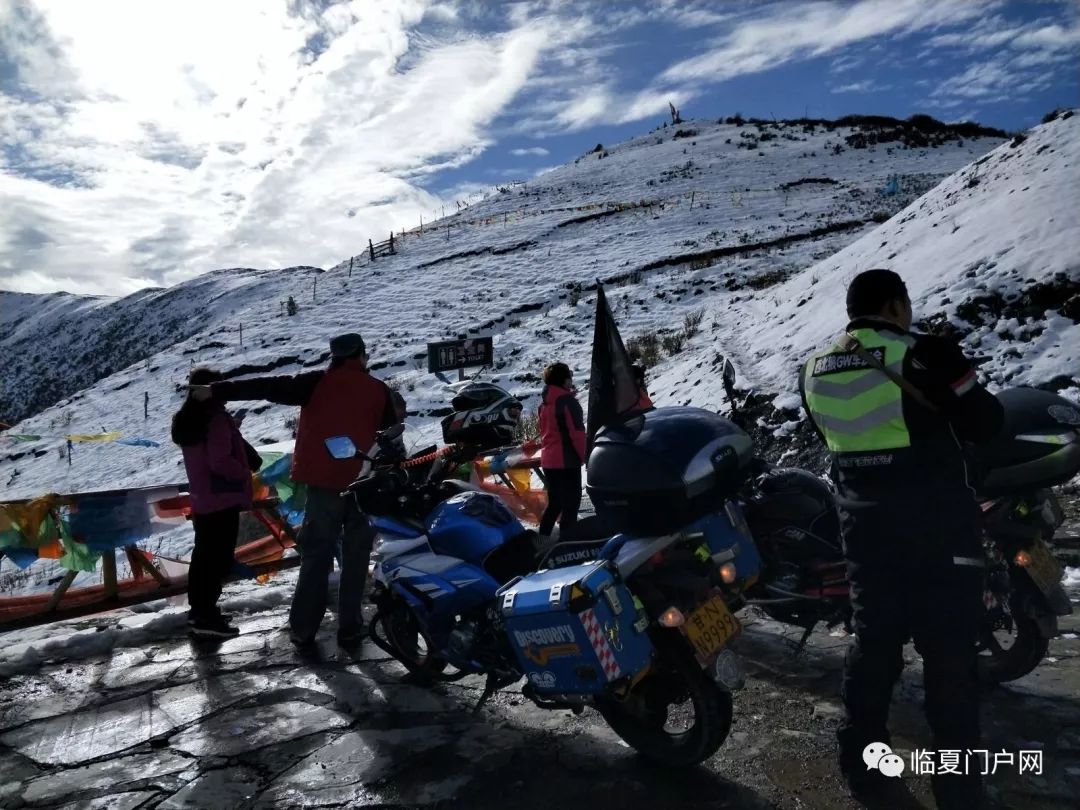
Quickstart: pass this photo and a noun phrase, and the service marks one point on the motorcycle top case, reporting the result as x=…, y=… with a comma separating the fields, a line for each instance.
x=657, y=472
x=1038, y=445
x=573, y=629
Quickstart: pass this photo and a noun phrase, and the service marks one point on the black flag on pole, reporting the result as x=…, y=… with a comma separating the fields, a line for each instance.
x=612, y=388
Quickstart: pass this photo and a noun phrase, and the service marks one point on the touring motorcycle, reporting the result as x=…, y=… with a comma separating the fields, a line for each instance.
x=640, y=631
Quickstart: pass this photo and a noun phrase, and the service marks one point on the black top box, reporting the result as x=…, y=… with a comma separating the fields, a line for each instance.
x=665, y=468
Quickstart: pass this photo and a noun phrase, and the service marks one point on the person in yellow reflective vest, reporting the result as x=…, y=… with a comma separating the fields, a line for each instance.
x=893, y=408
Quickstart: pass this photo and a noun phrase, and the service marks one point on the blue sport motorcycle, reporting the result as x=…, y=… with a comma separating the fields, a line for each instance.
x=639, y=630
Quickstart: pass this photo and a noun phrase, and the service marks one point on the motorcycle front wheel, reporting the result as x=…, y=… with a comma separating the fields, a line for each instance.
x=397, y=628
x=675, y=716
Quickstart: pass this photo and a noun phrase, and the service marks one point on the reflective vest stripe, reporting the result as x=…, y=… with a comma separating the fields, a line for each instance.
x=879, y=417
x=860, y=410
x=867, y=380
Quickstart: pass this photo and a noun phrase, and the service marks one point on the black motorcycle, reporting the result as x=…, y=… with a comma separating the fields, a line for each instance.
x=792, y=516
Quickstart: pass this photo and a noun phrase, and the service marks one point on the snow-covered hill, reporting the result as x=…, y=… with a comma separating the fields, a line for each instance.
x=991, y=256
x=56, y=345
x=734, y=221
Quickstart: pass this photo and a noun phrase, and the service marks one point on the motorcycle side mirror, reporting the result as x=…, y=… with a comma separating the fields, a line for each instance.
x=341, y=447
x=729, y=373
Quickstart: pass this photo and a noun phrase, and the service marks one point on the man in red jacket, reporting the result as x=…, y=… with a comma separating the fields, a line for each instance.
x=562, y=450
x=343, y=400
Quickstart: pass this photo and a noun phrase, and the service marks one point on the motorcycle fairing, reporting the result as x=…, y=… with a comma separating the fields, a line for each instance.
x=438, y=588
x=386, y=547
x=388, y=525
x=471, y=525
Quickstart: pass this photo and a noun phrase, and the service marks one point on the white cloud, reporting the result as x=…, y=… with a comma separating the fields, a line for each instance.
x=1051, y=36
x=994, y=80
x=989, y=32
x=1017, y=58
x=145, y=143
x=844, y=63
x=148, y=159
x=865, y=86
x=785, y=33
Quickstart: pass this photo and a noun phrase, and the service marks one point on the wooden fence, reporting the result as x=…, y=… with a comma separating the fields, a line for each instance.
x=377, y=249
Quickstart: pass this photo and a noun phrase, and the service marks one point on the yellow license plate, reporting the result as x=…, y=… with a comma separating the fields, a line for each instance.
x=710, y=627
x=1045, y=571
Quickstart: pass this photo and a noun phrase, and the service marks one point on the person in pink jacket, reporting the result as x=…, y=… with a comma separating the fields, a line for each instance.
x=219, y=464
x=562, y=450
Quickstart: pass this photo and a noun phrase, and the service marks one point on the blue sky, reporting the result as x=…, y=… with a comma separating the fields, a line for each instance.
x=146, y=143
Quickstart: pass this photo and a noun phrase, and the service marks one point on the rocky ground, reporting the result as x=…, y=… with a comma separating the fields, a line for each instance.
x=150, y=719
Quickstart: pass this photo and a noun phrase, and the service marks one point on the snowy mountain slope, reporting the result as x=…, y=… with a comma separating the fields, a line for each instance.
x=673, y=234
x=55, y=345
x=992, y=256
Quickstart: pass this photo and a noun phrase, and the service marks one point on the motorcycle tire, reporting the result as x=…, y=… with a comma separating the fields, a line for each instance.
x=403, y=637
x=1002, y=665
x=640, y=719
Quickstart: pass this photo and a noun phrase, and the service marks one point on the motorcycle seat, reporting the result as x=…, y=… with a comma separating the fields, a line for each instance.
x=590, y=527
x=589, y=536
x=570, y=552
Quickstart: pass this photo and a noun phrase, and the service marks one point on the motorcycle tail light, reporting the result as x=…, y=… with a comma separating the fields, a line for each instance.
x=727, y=573
x=672, y=617
x=1022, y=558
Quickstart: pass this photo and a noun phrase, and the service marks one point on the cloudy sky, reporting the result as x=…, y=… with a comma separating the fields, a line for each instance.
x=143, y=142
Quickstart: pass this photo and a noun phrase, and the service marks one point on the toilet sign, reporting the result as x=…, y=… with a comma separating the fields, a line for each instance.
x=448, y=355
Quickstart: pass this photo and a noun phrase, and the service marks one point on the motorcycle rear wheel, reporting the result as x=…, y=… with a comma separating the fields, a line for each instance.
x=653, y=719
x=999, y=662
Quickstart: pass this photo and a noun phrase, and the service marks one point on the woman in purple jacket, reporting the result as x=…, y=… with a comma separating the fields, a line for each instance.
x=219, y=464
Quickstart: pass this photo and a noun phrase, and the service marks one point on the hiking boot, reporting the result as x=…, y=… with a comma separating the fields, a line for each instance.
x=215, y=615
x=351, y=642
x=305, y=647
x=213, y=628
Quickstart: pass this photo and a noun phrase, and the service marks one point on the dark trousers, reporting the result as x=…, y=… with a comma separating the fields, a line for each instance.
x=328, y=517
x=211, y=560
x=564, y=500
x=935, y=601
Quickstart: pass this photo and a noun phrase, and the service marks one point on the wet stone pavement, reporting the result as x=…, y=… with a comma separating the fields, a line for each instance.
x=159, y=721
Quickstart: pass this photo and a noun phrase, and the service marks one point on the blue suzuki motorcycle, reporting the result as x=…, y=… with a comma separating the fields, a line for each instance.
x=640, y=631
